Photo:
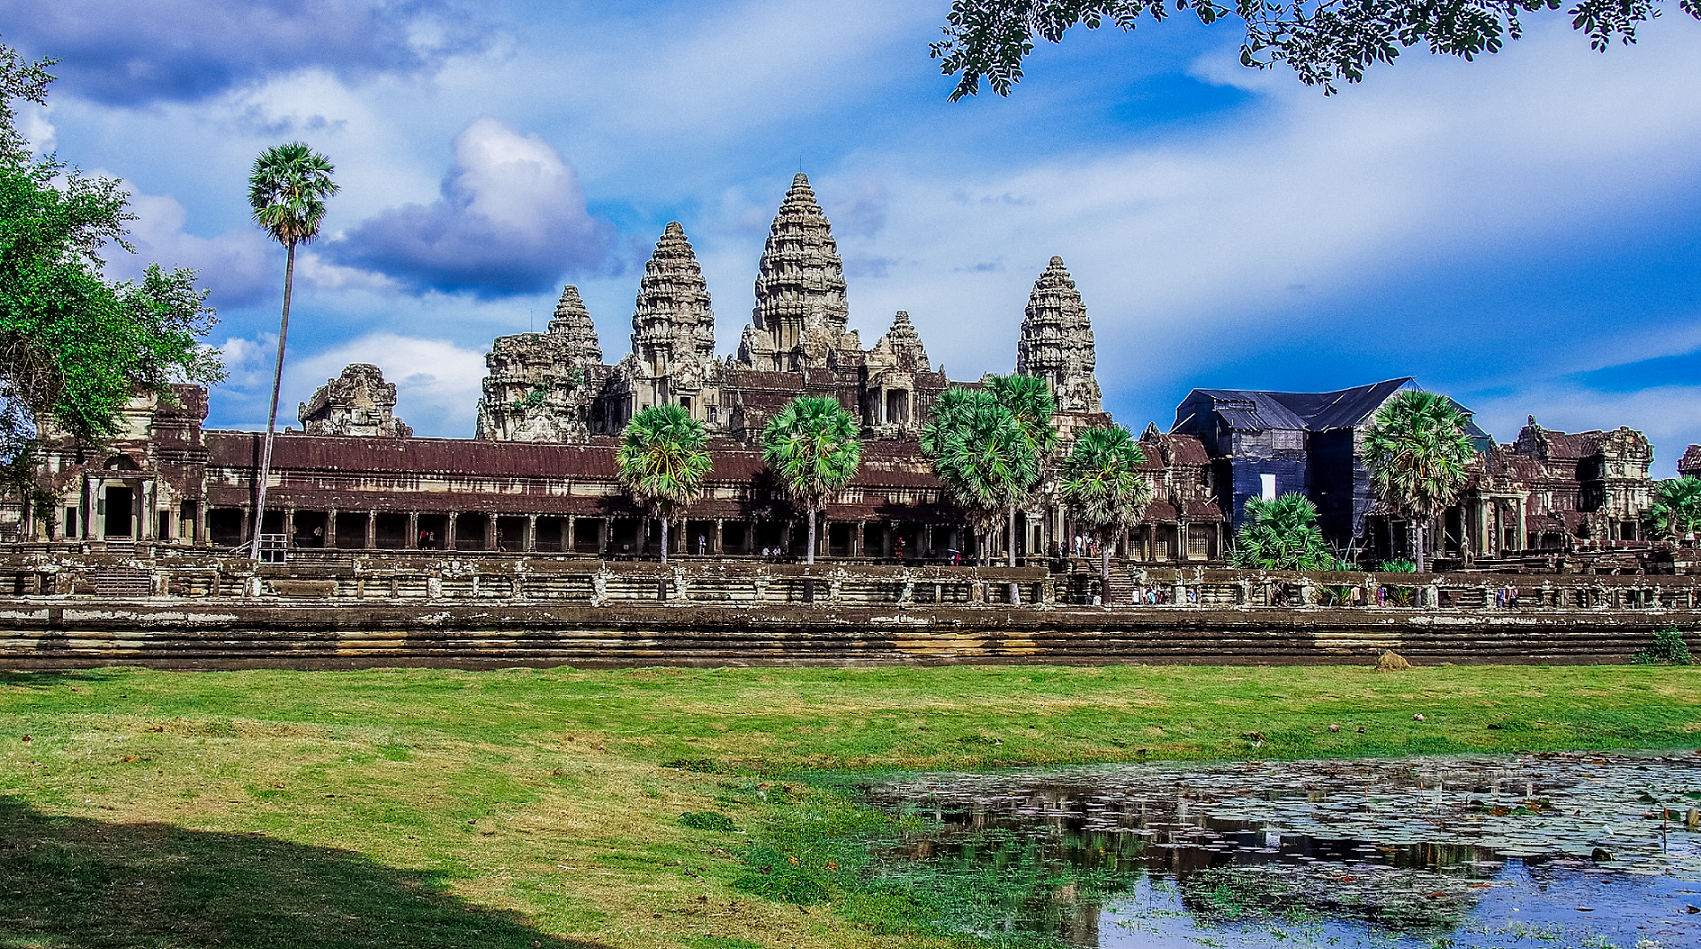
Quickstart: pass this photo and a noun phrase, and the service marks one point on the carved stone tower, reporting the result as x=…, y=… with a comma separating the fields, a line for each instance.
x=572, y=326
x=538, y=386
x=358, y=402
x=801, y=311
x=1057, y=341
x=673, y=339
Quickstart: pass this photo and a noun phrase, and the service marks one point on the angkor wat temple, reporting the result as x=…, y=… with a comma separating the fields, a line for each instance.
x=539, y=475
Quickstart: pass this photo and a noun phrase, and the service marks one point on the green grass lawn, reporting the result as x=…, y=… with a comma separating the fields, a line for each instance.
x=541, y=808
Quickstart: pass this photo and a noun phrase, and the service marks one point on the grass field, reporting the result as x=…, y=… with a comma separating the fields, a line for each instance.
x=542, y=808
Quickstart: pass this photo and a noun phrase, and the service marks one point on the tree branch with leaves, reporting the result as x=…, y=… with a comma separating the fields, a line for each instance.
x=1322, y=42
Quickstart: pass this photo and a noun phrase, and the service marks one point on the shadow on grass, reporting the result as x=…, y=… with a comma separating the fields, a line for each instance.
x=73, y=882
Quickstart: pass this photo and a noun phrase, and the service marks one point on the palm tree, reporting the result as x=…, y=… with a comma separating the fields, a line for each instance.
x=1030, y=400
x=1103, y=486
x=812, y=446
x=663, y=460
x=982, y=453
x=1282, y=535
x=1417, y=450
x=287, y=191
x=1676, y=510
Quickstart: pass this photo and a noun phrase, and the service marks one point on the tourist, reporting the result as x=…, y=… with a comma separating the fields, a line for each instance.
x=702, y=545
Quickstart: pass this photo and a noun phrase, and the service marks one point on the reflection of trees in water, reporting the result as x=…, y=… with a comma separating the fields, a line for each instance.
x=1045, y=859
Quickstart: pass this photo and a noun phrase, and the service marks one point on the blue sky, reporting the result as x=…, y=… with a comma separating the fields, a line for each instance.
x=1521, y=232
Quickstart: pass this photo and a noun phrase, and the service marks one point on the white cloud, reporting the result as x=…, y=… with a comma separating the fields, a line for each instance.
x=240, y=266
x=511, y=219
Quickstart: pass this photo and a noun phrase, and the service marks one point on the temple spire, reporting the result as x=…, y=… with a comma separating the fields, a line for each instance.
x=673, y=318
x=800, y=287
x=1057, y=341
x=572, y=323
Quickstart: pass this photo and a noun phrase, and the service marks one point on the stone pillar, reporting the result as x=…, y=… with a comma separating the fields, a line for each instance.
x=605, y=527
x=716, y=540
x=785, y=538
x=926, y=540
x=146, y=521
x=248, y=530
x=643, y=535
x=531, y=533
x=411, y=541
x=857, y=540
x=372, y=529
x=289, y=527
x=490, y=541
x=449, y=532
x=570, y=533
x=331, y=529
x=824, y=539
x=886, y=539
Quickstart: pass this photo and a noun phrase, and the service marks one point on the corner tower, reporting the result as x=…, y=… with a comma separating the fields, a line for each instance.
x=1057, y=341
x=673, y=338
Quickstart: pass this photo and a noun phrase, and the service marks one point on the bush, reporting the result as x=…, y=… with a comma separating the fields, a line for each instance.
x=1397, y=566
x=1668, y=649
x=707, y=820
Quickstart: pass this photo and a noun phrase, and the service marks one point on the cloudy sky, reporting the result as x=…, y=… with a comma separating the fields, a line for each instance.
x=1523, y=232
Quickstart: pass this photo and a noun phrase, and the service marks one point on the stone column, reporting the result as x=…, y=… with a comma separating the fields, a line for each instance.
x=411, y=541
x=490, y=542
x=288, y=526
x=331, y=529
x=785, y=537
x=146, y=521
x=531, y=533
x=449, y=532
x=926, y=540
x=716, y=541
x=643, y=535
x=605, y=527
x=248, y=530
x=570, y=533
x=372, y=529
x=857, y=540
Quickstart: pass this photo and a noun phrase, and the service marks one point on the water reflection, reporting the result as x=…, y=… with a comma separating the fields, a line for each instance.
x=1443, y=852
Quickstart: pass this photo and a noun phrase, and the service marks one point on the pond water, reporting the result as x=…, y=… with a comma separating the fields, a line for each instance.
x=1540, y=850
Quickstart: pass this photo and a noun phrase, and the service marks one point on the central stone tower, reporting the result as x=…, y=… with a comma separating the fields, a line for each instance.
x=800, y=312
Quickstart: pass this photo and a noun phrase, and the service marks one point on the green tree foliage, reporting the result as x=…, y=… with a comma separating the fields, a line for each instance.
x=663, y=460
x=1417, y=451
x=1282, y=535
x=1105, y=489
x=287, y=192
x=1676, y=510
x=813, y=448
x=1323, y=42
x=74, y=347
x=981, y=452
x=1029, y=399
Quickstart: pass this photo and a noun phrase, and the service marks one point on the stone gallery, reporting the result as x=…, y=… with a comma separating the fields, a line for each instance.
x=539, y=474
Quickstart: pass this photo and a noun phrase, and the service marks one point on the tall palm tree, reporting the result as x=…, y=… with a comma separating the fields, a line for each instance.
x=1030, y=400
x=812, y=446
x=1104, y=487
x=663, y=461
x=984, y=455
x=1282, y=535
x=1676, y=510
x=1417, y=450
x=287, y=191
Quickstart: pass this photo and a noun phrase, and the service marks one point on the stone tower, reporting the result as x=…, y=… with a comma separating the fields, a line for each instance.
x=538, y=387
x=573, y=328
x=358, y=402
x=672, y=319
x=1057, y=341
x=673, y=339
x=801, y=311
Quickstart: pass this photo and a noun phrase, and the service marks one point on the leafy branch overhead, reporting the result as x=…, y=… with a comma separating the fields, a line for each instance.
x=1323, y=42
